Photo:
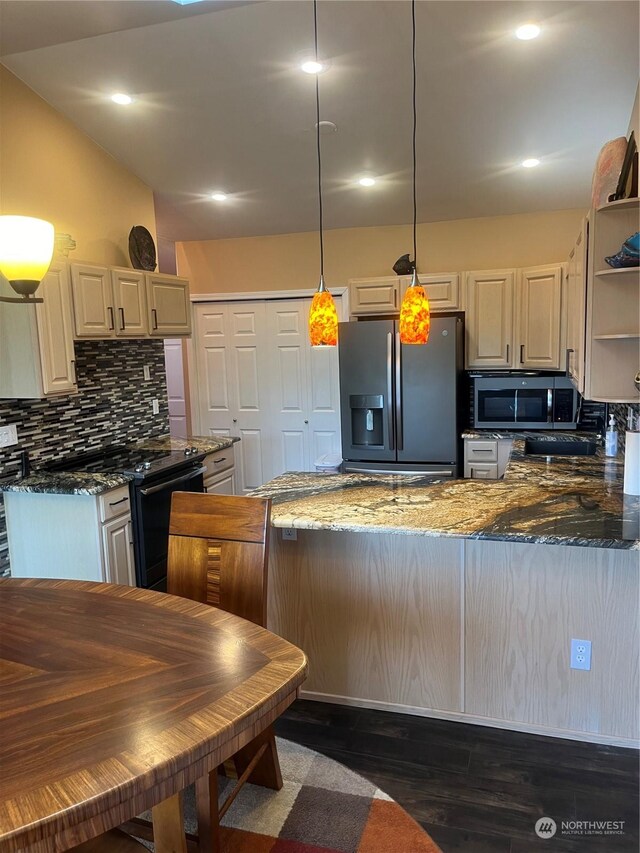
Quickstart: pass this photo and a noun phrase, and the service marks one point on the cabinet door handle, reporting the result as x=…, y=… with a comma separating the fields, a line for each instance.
x=111, y=319
x=122, y=325
x=74, y=376
x=521, y=353
x=115, y=503
x=508, y=352
x=218, y=461
x=154, y=314
x=569, y=351
x=235, y=420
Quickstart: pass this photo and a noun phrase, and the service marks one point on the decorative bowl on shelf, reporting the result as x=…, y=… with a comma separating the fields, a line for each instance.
x=629, y=254
x=142, y=250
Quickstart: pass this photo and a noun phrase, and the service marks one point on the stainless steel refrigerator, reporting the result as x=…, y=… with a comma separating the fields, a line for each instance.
x=402, y=406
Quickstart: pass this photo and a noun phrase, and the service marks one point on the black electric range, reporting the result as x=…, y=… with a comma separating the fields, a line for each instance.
x=155, y=474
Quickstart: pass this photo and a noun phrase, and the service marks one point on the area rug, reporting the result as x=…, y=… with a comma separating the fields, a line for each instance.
x=323, y=807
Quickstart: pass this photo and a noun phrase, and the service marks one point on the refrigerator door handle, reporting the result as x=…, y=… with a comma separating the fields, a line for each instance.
x=398, y=391
x=390, y=390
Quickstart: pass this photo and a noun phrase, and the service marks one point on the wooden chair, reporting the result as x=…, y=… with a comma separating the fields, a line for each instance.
x=218, y=552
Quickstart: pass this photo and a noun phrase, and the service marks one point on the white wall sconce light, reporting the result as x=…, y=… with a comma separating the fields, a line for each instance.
x=26, y=249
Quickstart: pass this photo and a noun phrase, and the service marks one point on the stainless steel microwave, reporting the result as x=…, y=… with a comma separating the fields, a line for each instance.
x=524, y=402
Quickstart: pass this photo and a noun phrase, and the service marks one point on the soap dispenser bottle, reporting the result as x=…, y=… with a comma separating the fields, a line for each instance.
x=611, y=439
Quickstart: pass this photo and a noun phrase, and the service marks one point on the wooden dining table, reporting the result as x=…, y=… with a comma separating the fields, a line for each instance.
x=113, y=699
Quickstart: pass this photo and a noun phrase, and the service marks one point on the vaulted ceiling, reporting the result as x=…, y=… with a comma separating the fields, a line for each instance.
x=221, y=104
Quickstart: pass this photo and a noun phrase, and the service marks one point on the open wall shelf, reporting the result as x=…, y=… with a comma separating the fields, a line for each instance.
x=613, y=307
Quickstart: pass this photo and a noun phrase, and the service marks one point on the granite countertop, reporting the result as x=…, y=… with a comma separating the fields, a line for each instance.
x=66, y=483
x=205, y=443
x=562, y=500
x=84, y=483
x=548, y=435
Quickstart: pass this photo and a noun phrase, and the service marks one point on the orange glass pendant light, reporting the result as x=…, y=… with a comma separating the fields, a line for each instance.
x=415, y=313
x=323, y=317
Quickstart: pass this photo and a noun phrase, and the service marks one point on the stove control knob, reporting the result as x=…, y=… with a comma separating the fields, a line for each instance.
x=187, y=451
x=146, y=465
x=139, y=469
x=194, y=449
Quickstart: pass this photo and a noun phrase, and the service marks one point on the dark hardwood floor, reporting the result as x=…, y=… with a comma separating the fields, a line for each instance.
x=478, y=789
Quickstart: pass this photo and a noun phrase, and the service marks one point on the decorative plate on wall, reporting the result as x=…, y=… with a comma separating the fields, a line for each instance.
x=142, y=250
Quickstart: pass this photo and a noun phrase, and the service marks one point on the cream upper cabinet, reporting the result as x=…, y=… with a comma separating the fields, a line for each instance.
x=576, y=292
x=489, y=305
x=93, y=309
x=129, y=302
x=36, y=342
x=539, y=332
x=514, y=318
x=383, y=296
x=168, y=305
x=443, y=290
x=371, y=296
x=55, y=332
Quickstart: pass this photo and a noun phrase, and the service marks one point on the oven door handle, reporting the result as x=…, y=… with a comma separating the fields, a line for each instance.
x=162, y=486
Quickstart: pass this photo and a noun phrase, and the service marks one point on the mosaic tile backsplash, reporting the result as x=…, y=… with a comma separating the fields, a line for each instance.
x=112, y=406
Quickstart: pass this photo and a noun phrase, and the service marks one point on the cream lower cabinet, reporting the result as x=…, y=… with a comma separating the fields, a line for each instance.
x=514, y=318
x=77, y=537
x=220, y=474
x=486, y=458
x=36, y=342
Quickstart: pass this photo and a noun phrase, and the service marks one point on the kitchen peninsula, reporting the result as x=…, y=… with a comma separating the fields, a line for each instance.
x=460, y=599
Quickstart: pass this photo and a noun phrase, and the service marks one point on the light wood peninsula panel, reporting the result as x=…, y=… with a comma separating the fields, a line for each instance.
x=463, y=629
x=524, y=603
x=377, y=615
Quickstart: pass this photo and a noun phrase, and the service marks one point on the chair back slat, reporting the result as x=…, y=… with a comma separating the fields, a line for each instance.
x=218, y=551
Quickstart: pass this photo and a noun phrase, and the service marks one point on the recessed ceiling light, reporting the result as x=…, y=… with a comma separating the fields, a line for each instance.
x=122, y=99
x=367, y=182
x=530, y=162
x=527, y=32
x=313, y=67
x=219, y=196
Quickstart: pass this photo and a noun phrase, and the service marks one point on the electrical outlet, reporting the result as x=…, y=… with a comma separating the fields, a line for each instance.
x=581, y=654
x=146, y=372
x=155, y=407
x=289, y=533
x=8, y=435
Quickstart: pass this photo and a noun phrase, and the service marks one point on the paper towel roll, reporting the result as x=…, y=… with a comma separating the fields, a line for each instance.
x=632, y=463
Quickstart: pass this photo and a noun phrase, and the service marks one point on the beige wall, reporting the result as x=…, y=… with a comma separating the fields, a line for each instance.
x=51, y=170
x=290, y=261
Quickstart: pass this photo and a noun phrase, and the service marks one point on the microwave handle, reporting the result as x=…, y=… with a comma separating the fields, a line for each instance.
x=550, y=402
x=515, y=411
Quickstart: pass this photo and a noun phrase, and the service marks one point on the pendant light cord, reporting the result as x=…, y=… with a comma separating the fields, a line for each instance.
x=315, y=33
x=415, y=122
